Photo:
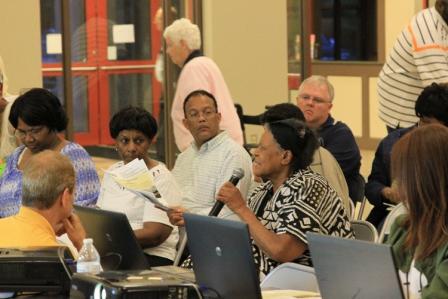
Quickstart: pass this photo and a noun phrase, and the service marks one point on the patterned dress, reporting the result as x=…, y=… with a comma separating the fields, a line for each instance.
x=87, y=185
x=304, y=203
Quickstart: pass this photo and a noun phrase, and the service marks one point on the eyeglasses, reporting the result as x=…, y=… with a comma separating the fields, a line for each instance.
x=315, y=100
x=33, y=132
x=206, y=113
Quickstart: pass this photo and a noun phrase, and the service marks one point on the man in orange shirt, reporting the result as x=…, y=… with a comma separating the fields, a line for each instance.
x=47, y=204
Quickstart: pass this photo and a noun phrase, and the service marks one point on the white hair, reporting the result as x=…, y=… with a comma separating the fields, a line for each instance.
x=319, y=81
x=183, y=29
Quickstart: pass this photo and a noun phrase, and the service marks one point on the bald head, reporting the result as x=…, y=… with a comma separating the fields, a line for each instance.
x=45, y=177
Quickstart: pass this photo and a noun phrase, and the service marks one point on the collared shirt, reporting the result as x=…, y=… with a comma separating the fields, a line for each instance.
x=25, y=229
x=200, y=72
x=200, y=173
x=418, y=58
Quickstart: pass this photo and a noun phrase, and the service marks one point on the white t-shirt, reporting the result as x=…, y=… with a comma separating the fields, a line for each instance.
x=114, y=197
x=413, y=282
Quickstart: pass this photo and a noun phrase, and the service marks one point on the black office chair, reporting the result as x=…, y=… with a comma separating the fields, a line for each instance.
x=357, y=190
x=249, y=120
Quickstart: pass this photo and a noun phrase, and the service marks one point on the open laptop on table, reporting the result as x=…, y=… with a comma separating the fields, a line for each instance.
x=348, y=268
x=222, y=257
x=114, y=239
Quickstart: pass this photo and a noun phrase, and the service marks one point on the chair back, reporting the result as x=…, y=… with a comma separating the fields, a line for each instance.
x=352, y=210
x=291, y=276
x=364, y=230
x=180, y=247
x=362, y=208
x=398, y=210
x=357, y=189
x=247, y=119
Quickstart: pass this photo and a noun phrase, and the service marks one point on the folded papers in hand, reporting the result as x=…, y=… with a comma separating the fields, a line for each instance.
x=136, y=178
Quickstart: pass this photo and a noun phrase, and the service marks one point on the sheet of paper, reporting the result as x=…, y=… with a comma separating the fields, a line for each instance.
x=136, y=178
x=112, y=53
x=133, y=175
x=151, y=197
x=54, y=43
x=123, y=33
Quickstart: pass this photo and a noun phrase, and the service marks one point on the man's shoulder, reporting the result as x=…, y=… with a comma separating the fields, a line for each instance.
x=397, y=134
x=230, y=147
x=337, y=128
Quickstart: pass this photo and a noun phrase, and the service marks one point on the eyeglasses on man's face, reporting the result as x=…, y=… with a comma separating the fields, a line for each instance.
x=196, y=114
x=315, y=100
x=33, y=132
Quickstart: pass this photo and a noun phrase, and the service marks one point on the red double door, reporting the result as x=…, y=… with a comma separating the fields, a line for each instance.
x=114, y=50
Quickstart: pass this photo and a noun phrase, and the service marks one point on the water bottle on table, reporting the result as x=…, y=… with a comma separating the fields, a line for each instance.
x=88, y=259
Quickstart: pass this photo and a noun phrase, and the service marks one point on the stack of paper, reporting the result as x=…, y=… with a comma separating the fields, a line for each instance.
x=134, y=175
x=136, y=178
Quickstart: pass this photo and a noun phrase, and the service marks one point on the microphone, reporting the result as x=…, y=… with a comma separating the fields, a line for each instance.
x=237, y=174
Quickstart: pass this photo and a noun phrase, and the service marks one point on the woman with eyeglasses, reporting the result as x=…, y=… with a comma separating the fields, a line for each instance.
x=38, y=119
x=293, y=200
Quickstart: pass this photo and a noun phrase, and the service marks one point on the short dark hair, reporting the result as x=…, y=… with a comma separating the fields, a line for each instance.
x=133, y=118
x=294, y=135
x=433, y=102
x=199, y=92
x=38, y=107
x=282, y=111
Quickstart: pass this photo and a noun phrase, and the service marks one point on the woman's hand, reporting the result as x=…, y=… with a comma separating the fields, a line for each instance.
x=231, y=197
x=176, y=216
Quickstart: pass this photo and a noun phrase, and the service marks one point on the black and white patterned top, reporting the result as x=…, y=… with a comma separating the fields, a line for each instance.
x=304, y=203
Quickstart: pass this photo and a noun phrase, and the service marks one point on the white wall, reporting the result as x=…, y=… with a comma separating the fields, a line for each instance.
x=247, y=39
x=20, y=43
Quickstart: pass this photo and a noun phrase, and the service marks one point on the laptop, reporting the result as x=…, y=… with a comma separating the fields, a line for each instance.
x=114, y=239
x=222, y=257
x=347, y=268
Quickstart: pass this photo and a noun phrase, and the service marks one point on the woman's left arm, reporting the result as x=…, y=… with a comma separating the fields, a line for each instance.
x=152, y=234
x=280, y=247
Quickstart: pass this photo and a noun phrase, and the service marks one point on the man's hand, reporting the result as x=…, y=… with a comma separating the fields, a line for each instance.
x=176, y=216
x=391, y=194
x=74, y=229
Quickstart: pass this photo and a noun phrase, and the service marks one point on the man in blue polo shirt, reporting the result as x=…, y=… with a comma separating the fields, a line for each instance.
x=315, y=99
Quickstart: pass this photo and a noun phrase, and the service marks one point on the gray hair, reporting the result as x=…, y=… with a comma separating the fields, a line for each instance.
x=183, y=29
x=319, y=81
x=45, y=177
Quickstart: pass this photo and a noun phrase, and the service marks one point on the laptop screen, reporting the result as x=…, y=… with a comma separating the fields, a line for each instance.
x=222, y=257
x=114, y=239
x=347, y=268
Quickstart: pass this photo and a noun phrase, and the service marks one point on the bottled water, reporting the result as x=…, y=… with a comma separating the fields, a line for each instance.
x=88, y=259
